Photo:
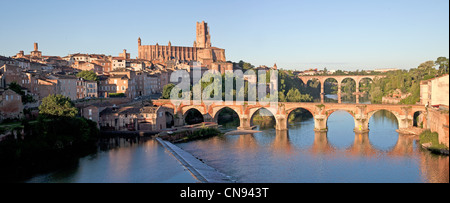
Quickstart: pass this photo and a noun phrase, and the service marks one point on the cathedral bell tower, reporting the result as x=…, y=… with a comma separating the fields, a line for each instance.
x=203, y=37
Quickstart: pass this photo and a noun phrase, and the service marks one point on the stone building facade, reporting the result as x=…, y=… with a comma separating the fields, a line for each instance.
x=434, y=94
x=201, y=51
x=86, y=88
x=118, y=82
x=435, y=91
x=146, y=118
x=66, y=85
x=10, y=105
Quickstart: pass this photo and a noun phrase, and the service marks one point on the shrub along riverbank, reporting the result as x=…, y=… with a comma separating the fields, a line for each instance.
x=430, y=141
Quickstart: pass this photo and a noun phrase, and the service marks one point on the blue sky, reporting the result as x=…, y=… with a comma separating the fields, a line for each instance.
x=345, y=34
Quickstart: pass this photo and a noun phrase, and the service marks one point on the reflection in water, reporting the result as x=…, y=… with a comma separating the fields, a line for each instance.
x=281, y=144
x=435, y=168
x=382, y=127
x=122, y=160
x=361, y=146
x=321, y=145
x=302, y=155
x=384, y=117
x=340, y=126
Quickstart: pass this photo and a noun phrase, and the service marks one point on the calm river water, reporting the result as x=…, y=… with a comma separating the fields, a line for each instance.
x=301, y=155
x=123, y=161
x=298, y=155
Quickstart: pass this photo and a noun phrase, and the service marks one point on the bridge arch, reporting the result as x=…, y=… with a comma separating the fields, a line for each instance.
x=345, y=78
x=349, y=93
x=331, y=111
x=253, y=112
x=359, y=80
x=217, y=111
x=311, y=80
x=305, y=80
x=340, y=123
x=193, y=116
x=395, y=113
x=332, y=80
x=384, y=124
x=419, y=119
x=290, y=112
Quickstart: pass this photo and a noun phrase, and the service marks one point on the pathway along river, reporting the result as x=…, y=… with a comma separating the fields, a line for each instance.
x=299, y=155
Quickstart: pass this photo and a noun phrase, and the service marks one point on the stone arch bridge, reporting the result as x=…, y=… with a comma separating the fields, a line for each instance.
x=361, y=113
x=339, y=79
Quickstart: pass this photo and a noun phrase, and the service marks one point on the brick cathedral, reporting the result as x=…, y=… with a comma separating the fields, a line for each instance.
x=202, y=51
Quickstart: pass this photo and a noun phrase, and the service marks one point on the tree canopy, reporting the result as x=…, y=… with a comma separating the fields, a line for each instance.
x=408, y=81
x=166, y=91
x=58, y=106
x=88, y=75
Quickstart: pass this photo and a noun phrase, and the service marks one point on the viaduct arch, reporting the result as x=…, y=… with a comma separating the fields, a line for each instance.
x=339, y=79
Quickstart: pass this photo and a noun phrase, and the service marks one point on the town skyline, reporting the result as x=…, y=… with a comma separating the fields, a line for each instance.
x=394, y=35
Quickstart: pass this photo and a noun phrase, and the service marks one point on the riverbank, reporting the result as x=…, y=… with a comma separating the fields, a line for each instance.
x=430, y=141
x=428, y=146
x=44, y=145
x=200, y=170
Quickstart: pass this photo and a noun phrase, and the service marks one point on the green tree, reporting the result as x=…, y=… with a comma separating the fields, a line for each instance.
x=166, y=91
x=245, y=66
x=293, y=95
x=406, y=81
x=88, y=75
x=442, y=62
x=57, y=106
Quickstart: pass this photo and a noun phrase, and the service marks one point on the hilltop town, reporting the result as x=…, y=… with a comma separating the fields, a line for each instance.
x=118, y=80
